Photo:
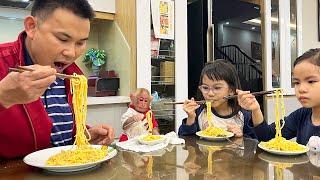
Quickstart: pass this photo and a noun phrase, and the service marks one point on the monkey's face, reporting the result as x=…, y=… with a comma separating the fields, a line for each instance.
x=142, y=102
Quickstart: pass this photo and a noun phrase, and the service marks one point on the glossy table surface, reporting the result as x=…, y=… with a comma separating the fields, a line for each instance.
x=197, y=159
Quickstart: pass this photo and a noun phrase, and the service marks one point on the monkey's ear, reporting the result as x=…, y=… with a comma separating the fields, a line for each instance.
x=151, y=98
x=132, y=97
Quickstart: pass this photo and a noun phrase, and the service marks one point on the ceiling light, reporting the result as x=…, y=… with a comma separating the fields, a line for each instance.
x=273, y=20
x=256, y=7
x=227, y=23
x=253, y=28
x=25, y=0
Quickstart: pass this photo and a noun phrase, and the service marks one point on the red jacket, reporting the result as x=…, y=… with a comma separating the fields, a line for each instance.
x=24, y=128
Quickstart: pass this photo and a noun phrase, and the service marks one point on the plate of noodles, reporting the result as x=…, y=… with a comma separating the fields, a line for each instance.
x=214, y=133
x=40, y=158
x=151, y=139
x=286, y=148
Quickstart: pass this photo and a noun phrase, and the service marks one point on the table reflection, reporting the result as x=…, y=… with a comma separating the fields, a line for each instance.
x=197, y=159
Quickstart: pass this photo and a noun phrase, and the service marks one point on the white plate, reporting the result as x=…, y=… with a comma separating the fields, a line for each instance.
x=288, y=153
x=140, y=139
x=215, y=138
x=39, y=158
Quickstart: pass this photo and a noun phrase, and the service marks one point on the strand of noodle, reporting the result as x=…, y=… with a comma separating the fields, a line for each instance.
x=149, y=120
x=149, y=166
x=209, y=113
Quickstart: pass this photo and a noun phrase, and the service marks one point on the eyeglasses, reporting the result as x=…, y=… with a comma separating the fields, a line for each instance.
x=215, y=89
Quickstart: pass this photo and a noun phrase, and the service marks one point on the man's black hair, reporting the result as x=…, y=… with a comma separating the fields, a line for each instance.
x=44, y=8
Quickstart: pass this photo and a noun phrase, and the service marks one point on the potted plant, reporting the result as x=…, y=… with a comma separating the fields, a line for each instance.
x=95, y=58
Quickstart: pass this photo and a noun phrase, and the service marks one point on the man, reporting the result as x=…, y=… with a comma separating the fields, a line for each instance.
x=55, y=36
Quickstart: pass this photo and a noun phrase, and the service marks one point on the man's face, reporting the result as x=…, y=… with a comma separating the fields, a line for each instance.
x=58, y=40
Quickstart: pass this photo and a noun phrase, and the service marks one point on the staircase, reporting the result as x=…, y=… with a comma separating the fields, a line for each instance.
x=249, y=70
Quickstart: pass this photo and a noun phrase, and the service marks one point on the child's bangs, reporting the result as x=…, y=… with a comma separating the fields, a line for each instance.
x=217, y=75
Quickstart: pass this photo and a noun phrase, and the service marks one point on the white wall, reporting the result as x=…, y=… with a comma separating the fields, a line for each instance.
x=291, y=104
x=240, y=37
x=10, y=29
x=309, y=25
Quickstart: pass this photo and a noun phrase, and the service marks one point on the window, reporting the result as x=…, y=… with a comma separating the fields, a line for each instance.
x=281, y=42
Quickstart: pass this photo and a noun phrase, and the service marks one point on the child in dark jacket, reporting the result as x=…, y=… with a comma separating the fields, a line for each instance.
x=218, y=79
x=303, y=123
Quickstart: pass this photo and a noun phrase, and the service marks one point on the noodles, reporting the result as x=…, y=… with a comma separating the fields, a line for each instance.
x=280, y=143
x=279, y=168
x=209, y=113
x=214, y=132
x=81, y=152
x=211, y=149
x=150, y=137
x=149, y=166
x=149, y=120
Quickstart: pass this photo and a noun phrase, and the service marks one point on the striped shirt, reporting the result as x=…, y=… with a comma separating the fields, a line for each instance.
x=55, y=102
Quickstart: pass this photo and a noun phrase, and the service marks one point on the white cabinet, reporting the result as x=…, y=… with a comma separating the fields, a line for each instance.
x=103, y=5
x=144, y=60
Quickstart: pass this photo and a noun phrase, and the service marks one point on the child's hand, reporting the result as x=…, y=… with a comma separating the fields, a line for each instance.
x=190, y=106
x=138, y=117
x=247, y=101
x=235, y=129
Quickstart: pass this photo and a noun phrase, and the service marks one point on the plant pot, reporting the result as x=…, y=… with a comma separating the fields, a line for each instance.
x=95, y=70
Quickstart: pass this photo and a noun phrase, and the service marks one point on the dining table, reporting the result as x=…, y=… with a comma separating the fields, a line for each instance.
x=195, y=159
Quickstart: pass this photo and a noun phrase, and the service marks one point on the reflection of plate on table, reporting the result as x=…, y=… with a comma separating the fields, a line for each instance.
x=204, y=145
x=39, y=158
x=153, y=142
x=215, y=138
x=288, y=153
x=271, y=158
x=202, y=142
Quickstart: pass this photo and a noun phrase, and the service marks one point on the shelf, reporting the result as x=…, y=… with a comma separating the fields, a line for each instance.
x=104, y=16
x=163, y=59
x=108, y=100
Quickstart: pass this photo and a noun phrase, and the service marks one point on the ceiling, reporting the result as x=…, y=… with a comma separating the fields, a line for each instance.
x=234, y=12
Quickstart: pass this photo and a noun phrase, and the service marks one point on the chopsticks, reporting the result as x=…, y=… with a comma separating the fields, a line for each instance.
x=254, y=93
x=22, y=69
x=225, y=97
x=170, y=103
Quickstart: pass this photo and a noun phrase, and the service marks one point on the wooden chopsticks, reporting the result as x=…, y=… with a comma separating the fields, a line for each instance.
x=254, y=93
x=22, y=69
x=225, y=97
x=169, y=103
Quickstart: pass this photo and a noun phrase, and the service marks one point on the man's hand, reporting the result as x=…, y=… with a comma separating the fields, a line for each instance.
x=25, y=87
x=101, y=134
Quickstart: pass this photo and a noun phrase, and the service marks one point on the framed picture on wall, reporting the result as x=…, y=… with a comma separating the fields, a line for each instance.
x=256, y=51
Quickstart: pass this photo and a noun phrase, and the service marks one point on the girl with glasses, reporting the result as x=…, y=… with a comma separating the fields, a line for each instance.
x=218, y=79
